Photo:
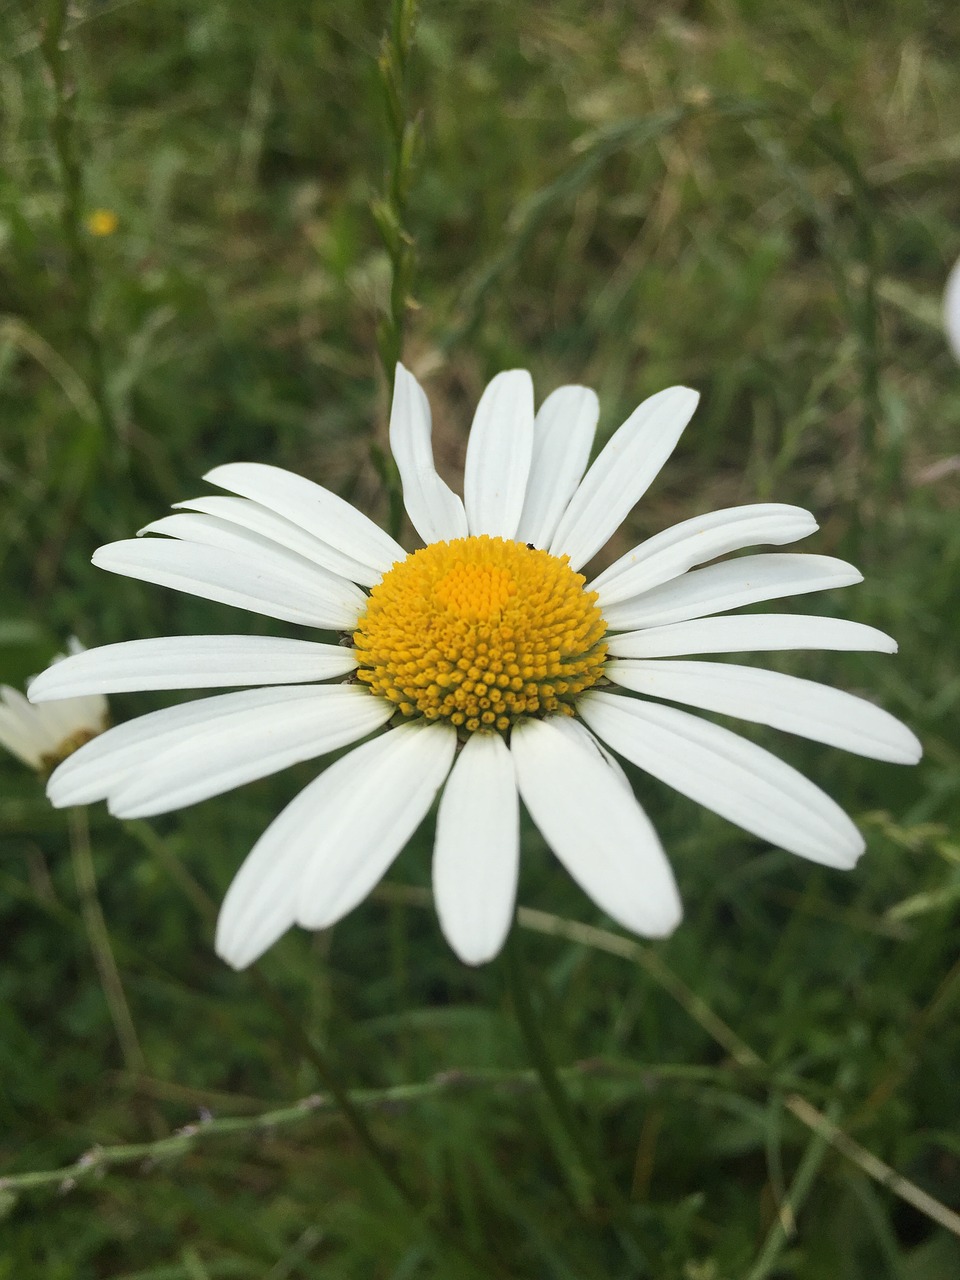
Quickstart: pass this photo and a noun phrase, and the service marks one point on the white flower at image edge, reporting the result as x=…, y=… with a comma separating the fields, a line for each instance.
x=951, y=309
x=41, y=736
x=482, y=668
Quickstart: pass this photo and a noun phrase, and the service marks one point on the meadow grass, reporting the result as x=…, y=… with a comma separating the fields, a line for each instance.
x=757, y=200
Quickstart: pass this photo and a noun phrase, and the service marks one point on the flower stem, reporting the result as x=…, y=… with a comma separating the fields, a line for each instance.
x=443, y=1239
x=590, y=1179
x=390, y=208
x=96, y=927
x=98, y=935
x=63, y=130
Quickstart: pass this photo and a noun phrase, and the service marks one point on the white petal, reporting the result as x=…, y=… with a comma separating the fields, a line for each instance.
x=90, y=773
x=477, y=850
x=729, y=585
x=728, y=774
x=595, y=827
x=191, y=662
x=102, y=767
x=563, y=433
x=951, y=309
x=260, y=520
x=668, y=554
x=751, y=632
x=248, y=745
x=23, y=723
x=434, y=509
x=27, y=743
x=798, y=706
x=576, y=729
x=213, y=531
x=622, y=474
x=260, y=581
x=322, y=513
x=261, y=903
x=34, y=734
x=498, y=455
x=377, y=797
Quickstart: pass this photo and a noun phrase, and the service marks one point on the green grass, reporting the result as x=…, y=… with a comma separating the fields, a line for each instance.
x=756, y=200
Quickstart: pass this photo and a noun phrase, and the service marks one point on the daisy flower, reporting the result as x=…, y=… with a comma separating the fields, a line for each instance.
x=951, y=309
x=41, y=736
x=483, y=668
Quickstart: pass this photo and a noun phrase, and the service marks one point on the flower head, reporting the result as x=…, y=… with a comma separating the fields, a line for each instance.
x=483, y=668
x=41, y=736
x=102, y=222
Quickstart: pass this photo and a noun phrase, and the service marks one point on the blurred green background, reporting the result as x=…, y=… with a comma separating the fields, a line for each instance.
x=758, y=200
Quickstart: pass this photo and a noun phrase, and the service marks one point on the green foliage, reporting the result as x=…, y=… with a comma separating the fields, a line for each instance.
x=758, y=200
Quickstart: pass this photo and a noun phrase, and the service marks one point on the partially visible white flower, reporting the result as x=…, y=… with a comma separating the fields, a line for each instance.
x=41, y=736
x=483, y=669
x=951, y=309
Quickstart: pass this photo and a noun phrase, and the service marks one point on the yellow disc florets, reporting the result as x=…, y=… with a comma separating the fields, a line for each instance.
x=480, y=631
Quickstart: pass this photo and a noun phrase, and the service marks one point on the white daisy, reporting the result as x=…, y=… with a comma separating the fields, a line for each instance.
x=482, y=667
x=41, y=736
x=951, y=309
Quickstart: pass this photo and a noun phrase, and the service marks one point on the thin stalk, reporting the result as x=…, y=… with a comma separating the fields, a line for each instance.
x=444, y=1240
x=99, y=1160
x=389, y=209
x=573, y=1154
x=784, y=1225
x=587, y=1171
x=99, y=937
x=54, y=48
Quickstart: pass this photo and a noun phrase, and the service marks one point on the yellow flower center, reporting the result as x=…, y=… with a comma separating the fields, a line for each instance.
x=102, y=222
x=480, y=631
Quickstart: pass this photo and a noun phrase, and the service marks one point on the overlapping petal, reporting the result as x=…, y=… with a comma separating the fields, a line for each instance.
x=730, y=585
x=726, y=773
x=278, y=531
x=803, y=707
x=322, y=513
x=261, y=902
x=270, y=582
x=563, y=433
x=621, y=475
x=434, y=509
x=693, y=542
x=171, y=758
x=596, y=828
x=375, y=798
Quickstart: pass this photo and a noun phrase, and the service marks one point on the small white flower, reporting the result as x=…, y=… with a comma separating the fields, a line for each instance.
x=951, y=309
x=41, y=736
x=503, y=675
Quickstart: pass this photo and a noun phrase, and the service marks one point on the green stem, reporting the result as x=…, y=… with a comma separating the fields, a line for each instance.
x=444, y=1240
x=390, y=209
x=53, y=49
x=99, y=938
x=101, y=1159
x=572, y=1151
x=784, y=1225
x=586, y=1172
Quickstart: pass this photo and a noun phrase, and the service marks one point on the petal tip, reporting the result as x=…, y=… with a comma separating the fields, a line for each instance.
x=233, y=952
x=35, y=693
